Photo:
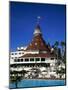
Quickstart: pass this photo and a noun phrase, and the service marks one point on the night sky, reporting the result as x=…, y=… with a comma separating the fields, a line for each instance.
x=23, y=20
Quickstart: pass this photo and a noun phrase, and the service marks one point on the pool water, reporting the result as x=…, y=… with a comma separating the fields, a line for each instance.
x=37, y=83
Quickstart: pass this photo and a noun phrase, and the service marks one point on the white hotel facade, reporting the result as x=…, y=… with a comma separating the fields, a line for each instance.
x=35, y=55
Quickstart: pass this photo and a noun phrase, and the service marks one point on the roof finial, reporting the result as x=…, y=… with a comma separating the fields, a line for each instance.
x=38, y=19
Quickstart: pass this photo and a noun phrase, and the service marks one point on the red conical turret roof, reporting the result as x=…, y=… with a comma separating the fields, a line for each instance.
x=38, y=42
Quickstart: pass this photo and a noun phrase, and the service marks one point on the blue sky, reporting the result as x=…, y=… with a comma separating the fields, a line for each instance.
x=23, y=20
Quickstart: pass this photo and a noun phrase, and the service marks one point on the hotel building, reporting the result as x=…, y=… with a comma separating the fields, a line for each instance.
x=38, y=54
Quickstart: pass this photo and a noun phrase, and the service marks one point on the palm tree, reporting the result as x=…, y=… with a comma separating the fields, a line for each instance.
x=61, y=72
x=63, y=48
x=64, y=58
x=23, y=72
x=56, y=48
x=48, y=45
x=15, y=78
x=64, y=54
x=56, y=52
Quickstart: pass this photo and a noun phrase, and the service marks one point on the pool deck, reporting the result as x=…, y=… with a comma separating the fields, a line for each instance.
x=44, y=79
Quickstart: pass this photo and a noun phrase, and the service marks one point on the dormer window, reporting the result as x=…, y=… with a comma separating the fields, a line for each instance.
x=35, y=43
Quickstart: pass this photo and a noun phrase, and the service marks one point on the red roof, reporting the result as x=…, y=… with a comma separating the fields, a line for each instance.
x=38, y=55
x=38, y=44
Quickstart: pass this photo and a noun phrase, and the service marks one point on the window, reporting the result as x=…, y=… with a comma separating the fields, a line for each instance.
x=37, y=59
x=12, y=57
x=15, y=53
x=18, y=60
x=35, y=43
x=15, y=57
x=42, y=59
x=26, y=59
x=31, y=59
x=21, y=60
x=19, y=53
x=15, y=60
x=52, y=58
x=47, y=64
x=12, y=53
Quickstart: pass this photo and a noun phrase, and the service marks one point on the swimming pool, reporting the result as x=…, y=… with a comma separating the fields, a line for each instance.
x=29, y=83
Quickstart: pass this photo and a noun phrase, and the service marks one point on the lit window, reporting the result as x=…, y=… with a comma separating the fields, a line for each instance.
x=35, y=43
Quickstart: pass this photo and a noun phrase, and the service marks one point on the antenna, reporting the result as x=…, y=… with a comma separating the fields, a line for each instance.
x=38, y=19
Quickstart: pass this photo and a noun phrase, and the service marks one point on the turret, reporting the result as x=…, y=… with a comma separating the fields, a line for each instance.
x=37, y=31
